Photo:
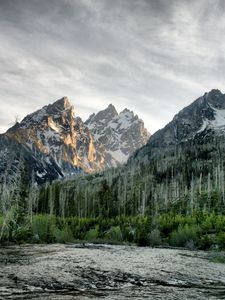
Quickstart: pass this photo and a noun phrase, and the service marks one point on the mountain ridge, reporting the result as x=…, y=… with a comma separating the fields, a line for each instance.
x=181, y=168
x=190, y=122
x=55, y=133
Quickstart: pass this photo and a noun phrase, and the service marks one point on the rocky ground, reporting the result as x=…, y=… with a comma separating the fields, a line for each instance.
x=108, y=272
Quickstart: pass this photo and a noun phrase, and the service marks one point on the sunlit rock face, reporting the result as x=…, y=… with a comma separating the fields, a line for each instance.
x=56, y=132
x=59, y=140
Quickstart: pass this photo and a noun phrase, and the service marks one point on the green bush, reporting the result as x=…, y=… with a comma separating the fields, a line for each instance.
x=128, y=233
x=142, y=238
x=92, y=234
x=220, y=240
x=177, y=230
x=183, y=235
x=207, y=223
x=205, y=242
x=22, y=234
x=114, y=234
x=49, y=229
x=220, y=223
x=43, y=228
x=62, y=235
x=154, y=238
x=10, y=225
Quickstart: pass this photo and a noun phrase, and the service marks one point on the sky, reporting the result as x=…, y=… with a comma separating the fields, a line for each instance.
x=151, y=56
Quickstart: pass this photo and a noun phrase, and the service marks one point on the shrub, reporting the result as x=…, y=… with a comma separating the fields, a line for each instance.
x=114, y=234
x=128, y=233
x=92, y=234
x=184, y=234
x=62, y=235
x=10, y=226
x=22, y=234
x=43, y=228
x=220, y=239
x=142, y=238
x=207, y=223
x=205, y=242
x=220, y=223
x=154, y=238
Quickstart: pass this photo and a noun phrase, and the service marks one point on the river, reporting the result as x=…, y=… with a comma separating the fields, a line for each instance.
x=108, y=272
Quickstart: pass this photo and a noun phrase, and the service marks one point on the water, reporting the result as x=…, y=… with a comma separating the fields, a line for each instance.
x=108, y=272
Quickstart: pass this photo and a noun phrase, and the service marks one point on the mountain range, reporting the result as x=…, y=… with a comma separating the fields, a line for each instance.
x=181, y=167
x=202, y=121
x=54, y=143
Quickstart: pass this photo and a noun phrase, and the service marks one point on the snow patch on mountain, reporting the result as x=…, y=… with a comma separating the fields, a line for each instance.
x=217, y=124
x=118, y=156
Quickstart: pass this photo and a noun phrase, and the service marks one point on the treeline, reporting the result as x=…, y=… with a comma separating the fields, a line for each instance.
x=126, y=192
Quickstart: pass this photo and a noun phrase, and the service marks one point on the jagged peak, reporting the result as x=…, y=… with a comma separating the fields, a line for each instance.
x=52, y=110
x=215, y=92
x=127, y=112
x=61, y=104
x=111, y=108
x=106, y=114
x=206, y=112
x=210, y=94
x=214, y=98
x=111, y=105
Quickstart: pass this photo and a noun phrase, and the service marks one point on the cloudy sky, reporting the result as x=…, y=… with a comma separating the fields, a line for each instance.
x=151, y=56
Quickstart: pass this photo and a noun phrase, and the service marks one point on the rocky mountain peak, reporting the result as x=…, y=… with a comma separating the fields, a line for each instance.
x=109, y=113
x=128, y=114
x=215, y=98
x=65, y=144
x=61, y=111
x=203, y=117
x=215, y=92
x=102, y=118
x=111, y=108
x=121, y=134
x=126, y=111
x=60, y=106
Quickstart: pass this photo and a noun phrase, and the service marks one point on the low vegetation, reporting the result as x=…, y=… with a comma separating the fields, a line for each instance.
x=199, y=231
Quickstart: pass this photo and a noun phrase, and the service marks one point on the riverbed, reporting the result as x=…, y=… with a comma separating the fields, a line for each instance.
x=108, y=272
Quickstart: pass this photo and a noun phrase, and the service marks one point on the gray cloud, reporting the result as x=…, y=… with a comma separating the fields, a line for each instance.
x=152, y=56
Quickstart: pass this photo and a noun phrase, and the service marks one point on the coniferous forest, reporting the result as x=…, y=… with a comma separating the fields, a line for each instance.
x=161, y=197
